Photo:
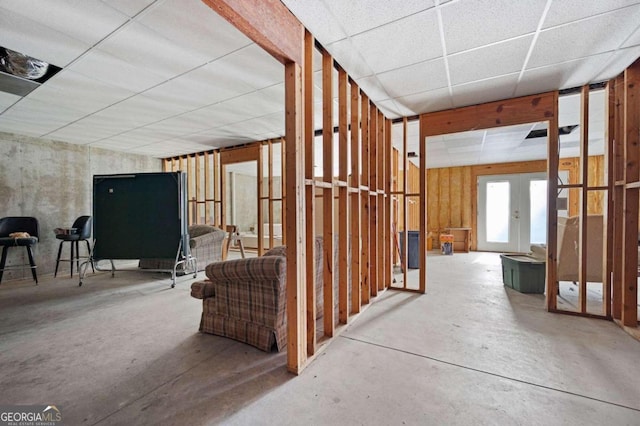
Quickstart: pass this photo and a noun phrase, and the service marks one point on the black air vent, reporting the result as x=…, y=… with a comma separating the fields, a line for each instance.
x=542, y=133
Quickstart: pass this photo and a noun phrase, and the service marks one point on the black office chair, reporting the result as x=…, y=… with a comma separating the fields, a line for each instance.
x=79, y=231
x=9, y=225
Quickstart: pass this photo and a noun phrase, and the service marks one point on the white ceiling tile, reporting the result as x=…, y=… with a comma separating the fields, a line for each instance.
x=116, y=71
x=491, y=90
x=89, y=129
x=7, y=99
x=349, y=58
x=139, y=111
x=564, y=11
x=359, y=15
x=74, y=134
x=29, y=37
x=149, y=50
x=404, y=42
x=584, y=38
x=435, y=100
x=89, y=23
x=372, y=87
x=315, y=16
x=620, y=60
x=262, y=102
x=129, y=7
x=76, y=91
x=490, y=61
x=469, y=24
x=422, y=77
x=251, y=65
x=561, y=76
x=634, y=39
x=196, y=27
x=47, y=114
x=19, y=127
x=392, y=110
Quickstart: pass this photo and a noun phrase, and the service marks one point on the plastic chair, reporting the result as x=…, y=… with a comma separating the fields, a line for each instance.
x=79, y=231
x=9, y=225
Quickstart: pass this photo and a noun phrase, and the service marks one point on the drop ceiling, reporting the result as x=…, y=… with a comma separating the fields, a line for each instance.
x=170, y=77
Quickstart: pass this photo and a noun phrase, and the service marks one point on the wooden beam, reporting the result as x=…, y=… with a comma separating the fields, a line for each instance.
x=270, y=190
x=343, y=205
x=381, y=204
x=310, y=223
x=364, y=263
x=260, y=185
x=631, y=196
x=552, y=202
x=327, y=194
x=618, y=197
x=208, y=180
x=373, y=200
x=527, y=109
x=422, y=202
x=294, y=178
x=608, y=219
x=268, y=23
x=584, y=181
x=356, y=283
x=405, y=216
x=387, y=224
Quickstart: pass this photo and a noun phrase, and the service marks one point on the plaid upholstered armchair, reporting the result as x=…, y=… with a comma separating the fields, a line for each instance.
x=245, y=299
x=205, y=243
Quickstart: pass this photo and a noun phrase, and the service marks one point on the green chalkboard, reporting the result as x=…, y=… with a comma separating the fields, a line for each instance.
x=139, y=216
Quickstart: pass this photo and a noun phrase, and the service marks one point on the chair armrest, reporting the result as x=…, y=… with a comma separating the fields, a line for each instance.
x=252, y=269
x=202, y=289
x=211, y=238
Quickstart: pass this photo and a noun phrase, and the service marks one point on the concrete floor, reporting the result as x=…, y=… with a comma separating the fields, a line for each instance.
x=126, y=350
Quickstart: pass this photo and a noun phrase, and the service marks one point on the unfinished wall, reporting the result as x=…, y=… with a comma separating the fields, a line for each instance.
x=52, y=181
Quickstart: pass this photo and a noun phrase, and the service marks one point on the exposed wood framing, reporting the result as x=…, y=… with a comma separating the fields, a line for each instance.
x=584, y=195
x=309, y=193
x=294, y=176
x=552, y=211
x=631, y=195
x=405, y=175
x=356, y=279
x=618, y=198
x=364, y=191
x=268, y=23
x=608, y=213
x=373, y=200
x=327, y=199
x=422, y=202
x=388, y=259
x=343, y=208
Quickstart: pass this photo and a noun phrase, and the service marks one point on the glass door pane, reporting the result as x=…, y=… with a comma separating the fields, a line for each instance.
x=538, y=205
x=498, y=208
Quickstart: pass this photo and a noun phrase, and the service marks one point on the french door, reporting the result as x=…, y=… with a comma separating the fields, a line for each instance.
x=512, y=212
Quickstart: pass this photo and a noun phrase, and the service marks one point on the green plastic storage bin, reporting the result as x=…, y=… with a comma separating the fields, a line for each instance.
x=523, y=273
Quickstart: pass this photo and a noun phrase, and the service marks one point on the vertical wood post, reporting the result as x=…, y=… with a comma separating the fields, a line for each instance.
x=327, y=192
x=552, y=210
x=294, y=176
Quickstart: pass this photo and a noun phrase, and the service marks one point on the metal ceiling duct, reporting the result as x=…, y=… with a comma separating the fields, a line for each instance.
x=22, y=65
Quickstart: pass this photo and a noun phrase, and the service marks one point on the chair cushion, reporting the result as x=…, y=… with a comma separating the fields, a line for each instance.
x=7, y=241
x=198, y=230
x=277, y=251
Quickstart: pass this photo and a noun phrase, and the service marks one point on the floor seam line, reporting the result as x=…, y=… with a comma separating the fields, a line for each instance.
x=489, y=373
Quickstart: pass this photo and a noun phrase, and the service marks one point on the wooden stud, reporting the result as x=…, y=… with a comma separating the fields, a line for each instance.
x=309, y=192
x=608, y=219
x=373, y=200
x=343, y=205
x=364, y=177
x=270, y=189
x=618, y=196
x=584, y=169
x=327, y=199
x=381, y=219
x=422, y=202
x=191, y=190
x=405, y=181
x=387, y=224
x=294, y=176
x=208, y=179
x=260, y=183
x=631, y=196
x=356, y=284
x=552, y=211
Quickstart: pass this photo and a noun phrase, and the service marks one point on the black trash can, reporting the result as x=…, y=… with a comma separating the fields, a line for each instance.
x=413, y=260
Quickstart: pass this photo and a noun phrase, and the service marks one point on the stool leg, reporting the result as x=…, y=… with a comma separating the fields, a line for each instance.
x=90, y=256
x=71, y=258
x=3, y=261
x=78, y=255
x=58, y=259
x=32, y=263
